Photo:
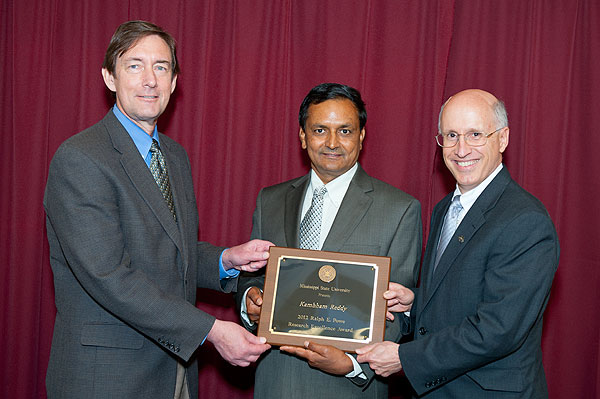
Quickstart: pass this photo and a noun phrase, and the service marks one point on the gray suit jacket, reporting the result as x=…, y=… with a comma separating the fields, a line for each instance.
x=375, y=219
x=125, y=273
x=478, y=317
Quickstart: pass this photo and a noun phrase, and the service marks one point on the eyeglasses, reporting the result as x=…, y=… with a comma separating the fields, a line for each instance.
x=474, y=139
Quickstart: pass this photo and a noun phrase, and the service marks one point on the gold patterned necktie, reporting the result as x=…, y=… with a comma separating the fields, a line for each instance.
x=160, y=174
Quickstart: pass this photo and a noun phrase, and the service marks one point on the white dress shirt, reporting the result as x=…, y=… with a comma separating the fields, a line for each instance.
x=336, y=190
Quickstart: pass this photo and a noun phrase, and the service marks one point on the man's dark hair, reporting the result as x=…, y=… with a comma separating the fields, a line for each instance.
x=332, y=91
x=128, y=34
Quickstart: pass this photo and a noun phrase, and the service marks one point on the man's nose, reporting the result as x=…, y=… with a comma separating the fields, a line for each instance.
x=462, y=147
x=149, y=77
x=332, y=140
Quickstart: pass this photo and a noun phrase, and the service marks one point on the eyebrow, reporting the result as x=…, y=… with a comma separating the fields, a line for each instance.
x=470, y=130
x=132, y=59
x=129, y=59
x=345, y=125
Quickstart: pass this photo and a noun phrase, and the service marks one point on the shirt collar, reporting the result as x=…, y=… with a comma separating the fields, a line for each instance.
x=140, y=138
x=336, y=189
x=468, y=199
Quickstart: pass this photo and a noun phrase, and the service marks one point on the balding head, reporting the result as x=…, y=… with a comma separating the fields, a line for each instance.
x=495, y=105
x=467, y=112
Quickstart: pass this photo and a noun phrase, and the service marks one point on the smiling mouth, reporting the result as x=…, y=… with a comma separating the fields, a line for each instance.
x=464, y=164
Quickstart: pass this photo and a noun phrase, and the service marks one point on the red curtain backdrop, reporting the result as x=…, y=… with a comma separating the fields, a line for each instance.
x=246, y=66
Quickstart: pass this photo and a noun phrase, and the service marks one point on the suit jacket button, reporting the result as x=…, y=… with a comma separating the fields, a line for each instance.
x=422, y=331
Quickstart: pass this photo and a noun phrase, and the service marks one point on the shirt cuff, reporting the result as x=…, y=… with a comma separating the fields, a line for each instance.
x=358, y=371
x=225, y=274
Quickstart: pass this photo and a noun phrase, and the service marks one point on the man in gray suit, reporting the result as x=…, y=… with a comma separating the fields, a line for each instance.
x=124, y=250
x=489, y=263
x=360, y=214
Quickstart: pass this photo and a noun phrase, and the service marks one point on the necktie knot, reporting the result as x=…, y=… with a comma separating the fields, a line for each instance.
x=154, y=148
x=319, y=193
x=455, y=208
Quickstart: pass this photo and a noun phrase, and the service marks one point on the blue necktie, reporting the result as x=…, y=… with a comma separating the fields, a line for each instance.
x=450, y=226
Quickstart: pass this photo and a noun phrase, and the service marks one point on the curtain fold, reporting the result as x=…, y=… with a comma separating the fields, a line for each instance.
x=246, y=66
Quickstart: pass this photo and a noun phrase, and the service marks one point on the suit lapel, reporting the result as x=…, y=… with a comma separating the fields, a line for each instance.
x=437, y=222
x=471, y=223
x=293, y=203
x=354, y=207
x=176, y=180
x=141, y=178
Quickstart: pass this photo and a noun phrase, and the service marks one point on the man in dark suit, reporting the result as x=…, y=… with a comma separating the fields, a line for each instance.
x=122, y=226
x=489, y=263
x=360, y=214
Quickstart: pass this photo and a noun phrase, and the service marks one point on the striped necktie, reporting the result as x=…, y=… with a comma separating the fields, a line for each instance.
x=160, y=174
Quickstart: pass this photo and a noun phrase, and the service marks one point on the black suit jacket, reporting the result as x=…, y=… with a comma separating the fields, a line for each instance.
x=478, y=317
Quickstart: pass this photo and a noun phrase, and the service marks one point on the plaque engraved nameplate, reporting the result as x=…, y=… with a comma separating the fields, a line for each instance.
x=330, y=298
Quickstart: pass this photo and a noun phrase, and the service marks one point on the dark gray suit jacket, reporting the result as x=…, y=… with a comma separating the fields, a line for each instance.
x=478, y=317
x=125, y=273
x=375, y=219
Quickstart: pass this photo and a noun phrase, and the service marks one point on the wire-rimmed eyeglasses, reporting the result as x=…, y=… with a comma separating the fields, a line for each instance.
x=475, y=139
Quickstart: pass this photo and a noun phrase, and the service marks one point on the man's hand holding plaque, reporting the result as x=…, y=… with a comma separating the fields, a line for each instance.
x=253, y=304
x=399, y=299
x=324, y=357
x=383, y=357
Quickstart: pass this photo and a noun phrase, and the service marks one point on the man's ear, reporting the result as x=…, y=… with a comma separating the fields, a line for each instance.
x=504, y=133
x=109, y=80
x=302, y=136
x=173, y=83
x=362, y=136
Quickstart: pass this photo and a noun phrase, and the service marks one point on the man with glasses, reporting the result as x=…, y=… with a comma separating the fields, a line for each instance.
x=489, y=263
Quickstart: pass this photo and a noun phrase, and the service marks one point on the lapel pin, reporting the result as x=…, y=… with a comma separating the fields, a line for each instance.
x=461, y=239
